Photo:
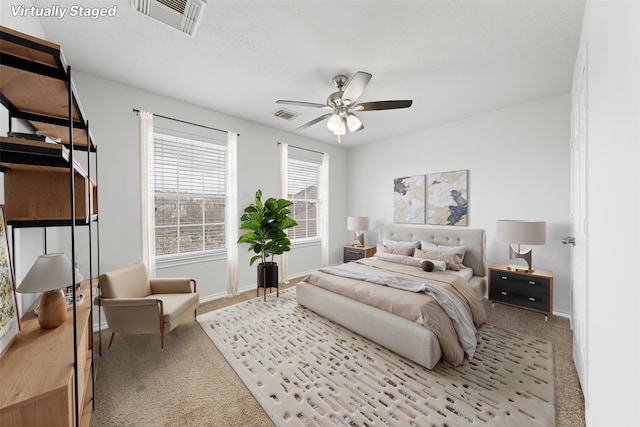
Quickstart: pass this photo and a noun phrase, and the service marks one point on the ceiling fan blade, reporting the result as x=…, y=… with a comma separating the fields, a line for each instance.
x=303, y=104
x=314, y=121
x=383, y=105
x=355, y=86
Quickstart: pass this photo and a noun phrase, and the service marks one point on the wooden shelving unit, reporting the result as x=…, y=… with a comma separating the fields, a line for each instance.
x=47, y=375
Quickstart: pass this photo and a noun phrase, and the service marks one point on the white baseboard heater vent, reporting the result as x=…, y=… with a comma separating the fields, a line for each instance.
x=183, y=15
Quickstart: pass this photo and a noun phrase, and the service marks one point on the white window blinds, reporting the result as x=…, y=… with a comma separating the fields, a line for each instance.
x=302, y=186
x=189, y=181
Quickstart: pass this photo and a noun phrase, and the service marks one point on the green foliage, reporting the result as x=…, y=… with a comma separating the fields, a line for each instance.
x=266, y=222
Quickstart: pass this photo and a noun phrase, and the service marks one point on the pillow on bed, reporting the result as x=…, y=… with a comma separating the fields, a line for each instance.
x=402, y=243
x=410, y=260
x=400, y=259
x=432, y=247
x=438, y=265
x=396, y=250
x=427, y=265
x=451, y=259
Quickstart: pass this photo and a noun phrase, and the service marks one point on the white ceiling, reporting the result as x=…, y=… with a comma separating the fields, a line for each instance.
x=455, y=59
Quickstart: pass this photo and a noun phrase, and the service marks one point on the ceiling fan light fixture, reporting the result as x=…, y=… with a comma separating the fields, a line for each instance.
x=333, y=124
x=342, y=128
x=353, y=123
x=341, y=103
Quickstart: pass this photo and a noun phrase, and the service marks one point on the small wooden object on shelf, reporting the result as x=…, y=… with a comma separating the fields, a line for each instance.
x=530, y=291
x=352, y=253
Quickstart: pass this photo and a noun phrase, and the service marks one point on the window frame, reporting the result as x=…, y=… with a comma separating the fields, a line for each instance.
x=190, y=257
x=307, y=239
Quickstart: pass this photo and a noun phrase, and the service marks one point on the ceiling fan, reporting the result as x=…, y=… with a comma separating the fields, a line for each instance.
x=343, y=102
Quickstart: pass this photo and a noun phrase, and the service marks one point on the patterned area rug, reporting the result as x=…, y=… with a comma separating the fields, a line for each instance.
x=308, y=371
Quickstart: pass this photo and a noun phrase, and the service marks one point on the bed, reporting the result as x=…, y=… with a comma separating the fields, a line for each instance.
x=409, y=338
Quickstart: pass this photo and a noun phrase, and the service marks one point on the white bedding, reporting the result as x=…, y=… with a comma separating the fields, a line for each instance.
x=465, y=272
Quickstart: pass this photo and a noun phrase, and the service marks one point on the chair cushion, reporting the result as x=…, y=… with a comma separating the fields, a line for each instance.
x=176, y=304
x=127, y=282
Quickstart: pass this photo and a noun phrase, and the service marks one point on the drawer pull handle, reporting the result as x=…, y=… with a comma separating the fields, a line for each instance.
x=531, y=282
x=503, y=277
x=504, y=293
x=532, y=299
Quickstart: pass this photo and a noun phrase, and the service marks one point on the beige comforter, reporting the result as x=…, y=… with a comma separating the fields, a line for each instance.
x=417, y=307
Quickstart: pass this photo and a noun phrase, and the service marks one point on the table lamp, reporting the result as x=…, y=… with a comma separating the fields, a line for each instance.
x=521, y=232
x=358, y=224
x=49, y=274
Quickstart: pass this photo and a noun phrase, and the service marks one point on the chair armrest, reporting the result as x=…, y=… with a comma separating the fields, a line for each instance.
x=172, y=286
x=124, y=302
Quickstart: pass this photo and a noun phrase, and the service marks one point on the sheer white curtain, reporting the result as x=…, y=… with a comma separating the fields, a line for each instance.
x=146, y=191
x=323, y=214
x=284, y=166
x=231, y=214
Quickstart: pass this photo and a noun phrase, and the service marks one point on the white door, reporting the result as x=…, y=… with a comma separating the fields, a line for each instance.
x=579, y=290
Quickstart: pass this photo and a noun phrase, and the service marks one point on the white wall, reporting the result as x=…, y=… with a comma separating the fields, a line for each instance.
x=611, y=30
x=109, y=107
x=518, y=163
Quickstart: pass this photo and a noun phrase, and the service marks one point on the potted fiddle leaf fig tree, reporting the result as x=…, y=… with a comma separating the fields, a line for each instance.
x=266, y=237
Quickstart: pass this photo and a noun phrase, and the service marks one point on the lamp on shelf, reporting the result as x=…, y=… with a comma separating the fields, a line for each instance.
x=49, y=274
x=358, y=224
x=521, y=232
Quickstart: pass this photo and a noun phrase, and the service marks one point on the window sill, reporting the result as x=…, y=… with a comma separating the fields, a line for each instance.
x=168, y=261
x=314, y=241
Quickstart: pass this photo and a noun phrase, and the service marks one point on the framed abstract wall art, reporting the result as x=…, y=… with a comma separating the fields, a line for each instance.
x=409, y=200
x=9, y=320
x=447, y=198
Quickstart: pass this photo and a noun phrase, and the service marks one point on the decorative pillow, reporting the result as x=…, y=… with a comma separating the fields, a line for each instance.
x=427, y=265
x=432, y=247
x=403, y=243
x=396, y=250
x=450, y=258
x=437, y=264
x=400, y=259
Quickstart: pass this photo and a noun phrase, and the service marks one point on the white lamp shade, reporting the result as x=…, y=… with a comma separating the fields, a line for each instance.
x=353, y=123
x=49, y=272
x=522, y=232
x=334, y=123
x=357, y=223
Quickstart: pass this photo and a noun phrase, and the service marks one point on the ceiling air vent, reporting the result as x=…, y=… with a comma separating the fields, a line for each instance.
x=184, y=15
x=286, y=114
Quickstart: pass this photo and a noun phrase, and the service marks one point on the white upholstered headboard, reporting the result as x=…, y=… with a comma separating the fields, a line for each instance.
x=473, y=238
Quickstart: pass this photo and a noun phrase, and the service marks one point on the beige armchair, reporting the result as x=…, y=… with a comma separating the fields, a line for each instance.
x=133, y=303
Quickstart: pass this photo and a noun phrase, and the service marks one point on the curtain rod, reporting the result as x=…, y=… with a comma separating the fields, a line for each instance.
x=184, y=121
x=302, y=148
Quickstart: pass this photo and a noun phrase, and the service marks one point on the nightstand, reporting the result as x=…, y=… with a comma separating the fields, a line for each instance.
x=530, y=291
x=352, y=253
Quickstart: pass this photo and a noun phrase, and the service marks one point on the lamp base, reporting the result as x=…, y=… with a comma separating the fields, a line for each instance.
x=520, y=268
x=53, y=309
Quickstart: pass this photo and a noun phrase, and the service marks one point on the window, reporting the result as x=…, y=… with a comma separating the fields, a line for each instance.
x=188, y=174
x=302, y=189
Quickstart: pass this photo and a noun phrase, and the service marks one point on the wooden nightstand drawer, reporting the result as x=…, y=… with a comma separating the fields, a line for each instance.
x=510, y=296
x=520, y=283
x=352, y=253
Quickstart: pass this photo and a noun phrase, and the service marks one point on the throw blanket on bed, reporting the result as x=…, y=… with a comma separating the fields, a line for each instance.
x=415, y=306
x=461, y=319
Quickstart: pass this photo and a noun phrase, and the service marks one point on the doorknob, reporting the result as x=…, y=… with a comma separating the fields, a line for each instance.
x=569, y=241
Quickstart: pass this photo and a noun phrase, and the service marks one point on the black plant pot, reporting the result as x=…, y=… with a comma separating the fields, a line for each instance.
x=268, y=271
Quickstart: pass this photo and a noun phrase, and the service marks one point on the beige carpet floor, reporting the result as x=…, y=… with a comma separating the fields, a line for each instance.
x=191, y=384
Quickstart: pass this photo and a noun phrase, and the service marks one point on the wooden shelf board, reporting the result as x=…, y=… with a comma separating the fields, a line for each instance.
x=34, y=70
